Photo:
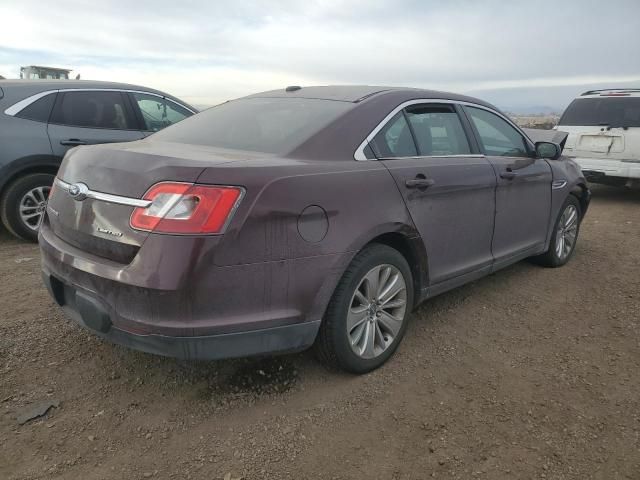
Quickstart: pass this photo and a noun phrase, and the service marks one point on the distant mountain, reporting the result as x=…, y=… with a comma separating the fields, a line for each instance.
x=533, y=100
x=541, y=100
x=533, y=110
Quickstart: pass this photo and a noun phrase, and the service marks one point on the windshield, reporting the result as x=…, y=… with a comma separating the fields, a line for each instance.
x=607, y=111
x=269, y=125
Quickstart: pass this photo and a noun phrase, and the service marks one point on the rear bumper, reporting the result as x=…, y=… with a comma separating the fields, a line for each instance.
x=85, y=309
x=197, y=311
x=595, y=168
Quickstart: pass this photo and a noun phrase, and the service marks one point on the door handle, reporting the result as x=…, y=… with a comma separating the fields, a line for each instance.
x=72, y=142
x=508, y=175
x=420, y=182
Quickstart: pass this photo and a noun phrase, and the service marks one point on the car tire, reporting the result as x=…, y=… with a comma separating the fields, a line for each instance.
x=344, y=343
x=565, y=235
x=23, y=198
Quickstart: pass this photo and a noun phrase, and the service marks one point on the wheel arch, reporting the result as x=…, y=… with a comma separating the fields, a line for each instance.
x=581, y=192
x=27, y=165
x=403, y=238
x=412, y=249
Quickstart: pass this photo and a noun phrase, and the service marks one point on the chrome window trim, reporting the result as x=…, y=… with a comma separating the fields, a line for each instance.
x=25, y=102
x=16, y=108
x=417, y=157
x=108, y=197
x=359, y=153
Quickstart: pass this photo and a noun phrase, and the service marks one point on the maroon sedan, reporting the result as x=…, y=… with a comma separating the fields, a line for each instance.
x=301, y=216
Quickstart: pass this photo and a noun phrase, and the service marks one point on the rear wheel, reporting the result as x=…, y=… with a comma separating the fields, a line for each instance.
x=565, y=235
x=367, y=315
x=23, y=204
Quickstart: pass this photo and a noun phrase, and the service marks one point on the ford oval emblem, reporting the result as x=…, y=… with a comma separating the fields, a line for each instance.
x=78, y=191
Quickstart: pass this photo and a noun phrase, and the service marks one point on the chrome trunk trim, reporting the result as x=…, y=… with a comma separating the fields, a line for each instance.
x=107, y=197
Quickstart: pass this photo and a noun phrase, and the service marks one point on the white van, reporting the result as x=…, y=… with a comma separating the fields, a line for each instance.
x=604, y=135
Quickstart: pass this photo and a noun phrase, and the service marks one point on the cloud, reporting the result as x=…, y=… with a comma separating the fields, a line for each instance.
x=207, y=52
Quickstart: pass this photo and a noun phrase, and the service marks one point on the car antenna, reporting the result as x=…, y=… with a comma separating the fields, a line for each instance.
x=293, y=88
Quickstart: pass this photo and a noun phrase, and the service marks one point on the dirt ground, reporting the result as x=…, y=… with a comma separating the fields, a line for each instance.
x=528, y=373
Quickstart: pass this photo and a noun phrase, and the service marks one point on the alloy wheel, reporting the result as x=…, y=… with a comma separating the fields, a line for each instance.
x=32, y=206
x=377, y=311
x=567, y=232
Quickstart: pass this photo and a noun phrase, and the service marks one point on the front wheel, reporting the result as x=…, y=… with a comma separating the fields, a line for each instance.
x=564, y=236
x=367, y=315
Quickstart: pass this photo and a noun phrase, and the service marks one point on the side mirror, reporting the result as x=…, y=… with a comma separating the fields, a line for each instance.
x=548, y=150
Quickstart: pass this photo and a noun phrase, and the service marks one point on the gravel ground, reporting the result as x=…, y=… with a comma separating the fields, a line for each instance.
x=528, y=373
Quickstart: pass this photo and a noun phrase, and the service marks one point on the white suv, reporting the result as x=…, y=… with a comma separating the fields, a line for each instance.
x=604, y=135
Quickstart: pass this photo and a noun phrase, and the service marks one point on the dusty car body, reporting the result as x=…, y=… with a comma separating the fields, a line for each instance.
x=309, y=215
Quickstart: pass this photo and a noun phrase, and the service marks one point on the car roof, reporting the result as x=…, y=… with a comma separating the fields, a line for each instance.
x=611, y=92
x=31, y=87
x=342, y=93
x=360, y=93
x=68, y=84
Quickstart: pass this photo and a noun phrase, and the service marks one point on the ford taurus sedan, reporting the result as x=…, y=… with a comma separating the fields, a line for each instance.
x=305, y=216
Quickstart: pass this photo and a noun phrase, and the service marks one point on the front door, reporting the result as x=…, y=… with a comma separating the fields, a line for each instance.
x=448, y=189
x=523, y=194
x=89, y=117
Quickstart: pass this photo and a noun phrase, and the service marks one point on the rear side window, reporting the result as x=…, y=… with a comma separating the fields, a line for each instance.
x=395, y=139
x=158, y=113
x=269, y=125
x=438, y=130
x=91, y=109
x=605, y=111
x=497, y=136
x=40, y=110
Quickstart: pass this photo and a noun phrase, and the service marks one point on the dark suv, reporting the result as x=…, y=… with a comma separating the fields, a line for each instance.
x=41, y=120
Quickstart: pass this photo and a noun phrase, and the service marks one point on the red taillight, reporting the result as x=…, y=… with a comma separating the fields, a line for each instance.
x=184, y=208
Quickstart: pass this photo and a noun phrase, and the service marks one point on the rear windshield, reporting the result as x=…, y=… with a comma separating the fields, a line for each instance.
x=608, y=111
x=269, y=125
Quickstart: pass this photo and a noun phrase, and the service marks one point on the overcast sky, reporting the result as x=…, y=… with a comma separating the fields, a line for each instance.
x=513, y=52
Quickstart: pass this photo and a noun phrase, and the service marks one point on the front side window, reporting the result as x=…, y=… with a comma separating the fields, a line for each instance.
x=438, y=130
x=158, y=113
x=92, y=109
x=395, y=139
x=497, y=136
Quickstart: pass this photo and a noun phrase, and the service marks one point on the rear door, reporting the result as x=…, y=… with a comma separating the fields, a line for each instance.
x=90, y=117
x=523, y=194
x=448, y=187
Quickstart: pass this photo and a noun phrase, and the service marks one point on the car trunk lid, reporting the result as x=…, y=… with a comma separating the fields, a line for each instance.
x=125, y=171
